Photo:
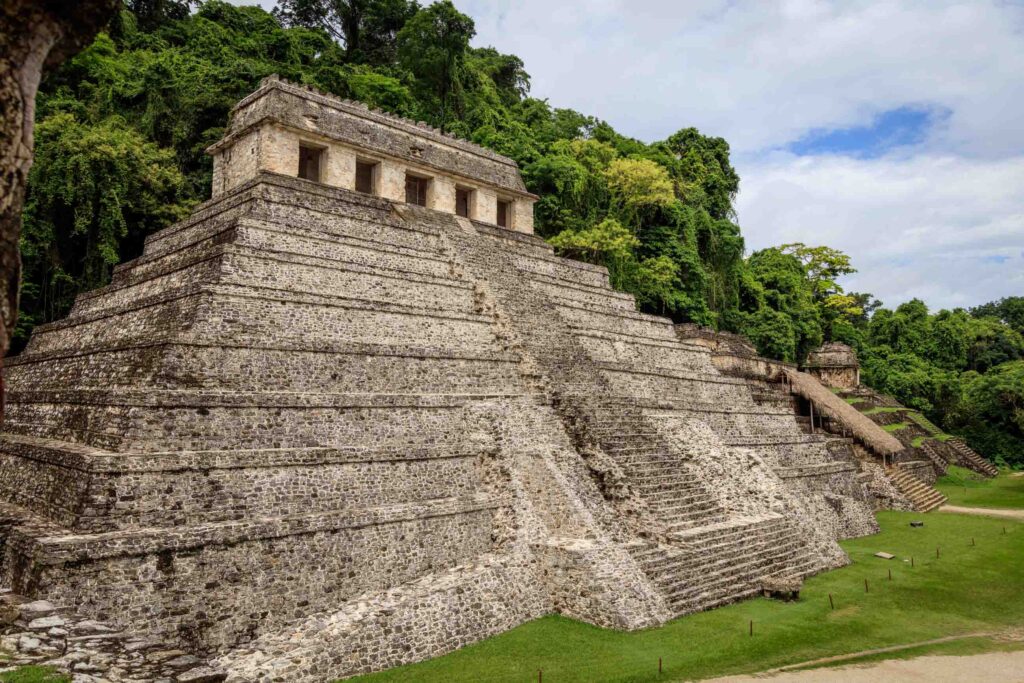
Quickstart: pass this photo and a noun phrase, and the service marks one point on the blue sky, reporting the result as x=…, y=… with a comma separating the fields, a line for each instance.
x=887, y=131
x=891, y=130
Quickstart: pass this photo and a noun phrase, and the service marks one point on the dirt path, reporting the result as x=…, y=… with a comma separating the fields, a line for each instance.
x=988, y=512
x=993, y=667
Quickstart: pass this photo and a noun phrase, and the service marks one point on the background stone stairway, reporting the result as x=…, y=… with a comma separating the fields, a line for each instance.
x=923, y=496
x=920, y=494
x=971, y=460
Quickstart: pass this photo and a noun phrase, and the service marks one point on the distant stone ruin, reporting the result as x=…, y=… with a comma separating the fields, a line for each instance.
x=352, y=413
x=835, y=365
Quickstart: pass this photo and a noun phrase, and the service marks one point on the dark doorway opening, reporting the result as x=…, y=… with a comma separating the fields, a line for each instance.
x=504, y=213
x=462, y=202
x=309, y=162
x=365, y=171
x=416, y=190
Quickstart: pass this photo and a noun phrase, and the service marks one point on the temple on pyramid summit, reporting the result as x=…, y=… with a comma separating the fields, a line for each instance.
x=353, y=413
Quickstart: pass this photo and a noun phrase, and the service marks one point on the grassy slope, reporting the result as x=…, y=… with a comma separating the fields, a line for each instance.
x=964, y=487
x=968, y=589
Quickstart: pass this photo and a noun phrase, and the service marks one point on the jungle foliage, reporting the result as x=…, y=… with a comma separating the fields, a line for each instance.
x=123, y=125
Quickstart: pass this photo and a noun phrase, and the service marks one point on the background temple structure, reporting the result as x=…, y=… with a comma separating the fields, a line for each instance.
x=352, y=413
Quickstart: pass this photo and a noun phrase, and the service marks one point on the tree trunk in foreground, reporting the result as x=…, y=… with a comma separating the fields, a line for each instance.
x=34, y=35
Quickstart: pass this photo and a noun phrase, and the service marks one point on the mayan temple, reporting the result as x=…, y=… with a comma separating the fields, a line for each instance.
x=353, y=413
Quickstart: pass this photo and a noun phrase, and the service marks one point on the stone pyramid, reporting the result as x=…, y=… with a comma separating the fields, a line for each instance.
x=315, y=431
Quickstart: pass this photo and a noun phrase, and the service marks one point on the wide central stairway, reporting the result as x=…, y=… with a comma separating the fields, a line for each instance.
x=622, y=382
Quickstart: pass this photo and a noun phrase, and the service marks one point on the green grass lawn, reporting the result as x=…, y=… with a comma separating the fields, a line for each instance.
x=895, y=427
x=33, y=674
x=964, y=487
x=968, y=589
x=883, y=409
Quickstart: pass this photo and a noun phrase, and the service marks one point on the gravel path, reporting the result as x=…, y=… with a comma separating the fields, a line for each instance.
x=988, y=512
x=993, y=667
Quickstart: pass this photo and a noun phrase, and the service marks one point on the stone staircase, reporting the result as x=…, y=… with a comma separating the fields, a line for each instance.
x=939, y=461
x=725, y=562
x=673, y=489
x=924, y=497
x=709, y=559
x=971, y=460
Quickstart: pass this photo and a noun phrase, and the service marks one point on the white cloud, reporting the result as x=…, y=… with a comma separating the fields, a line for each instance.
x=760, y=73
x=941, y=228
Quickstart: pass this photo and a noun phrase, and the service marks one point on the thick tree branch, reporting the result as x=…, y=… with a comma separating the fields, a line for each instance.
x=34, y=35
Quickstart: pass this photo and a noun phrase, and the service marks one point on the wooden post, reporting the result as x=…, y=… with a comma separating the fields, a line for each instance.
x=540, y=675
x=865, y=585
x=659, y=665
x=830, y=603
x=890, y=575
x=972, y=541
x=812, y=415
x=751, y=627
x=936, y=553
x=911, y=561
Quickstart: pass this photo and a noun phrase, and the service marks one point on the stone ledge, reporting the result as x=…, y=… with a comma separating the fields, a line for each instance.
x=612, y=366
x=330, y=301
x=260, y=293
x=674, y=344
x=352, y=348
x=92, y=460
x=205, y=398
x=77, y=548
x=671, y=405
x=492, y=230
x=552, y=281
x=263, y=225
x=250, y=191
x=821, y=470
x=282, y=257
x=611, y=335
x=787, y=440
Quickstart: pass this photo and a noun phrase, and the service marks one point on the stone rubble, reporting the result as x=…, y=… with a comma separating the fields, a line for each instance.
x=38, y=633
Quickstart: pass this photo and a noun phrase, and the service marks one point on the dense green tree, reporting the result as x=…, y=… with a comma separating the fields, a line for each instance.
x=151, y=13
x=1009, y=310
x=95, y=189
x=703, y=171
x=992, y=414
x=992, y=343
x=367, y=29
x=432, y=46
x=787, y=290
